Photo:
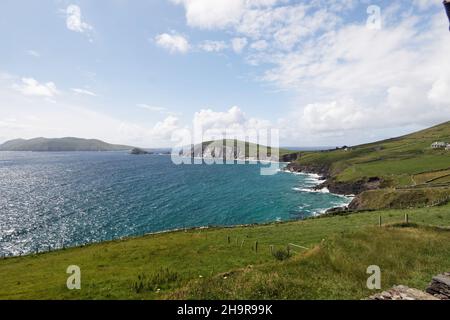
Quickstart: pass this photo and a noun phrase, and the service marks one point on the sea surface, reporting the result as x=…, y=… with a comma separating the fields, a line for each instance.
x=54, y=200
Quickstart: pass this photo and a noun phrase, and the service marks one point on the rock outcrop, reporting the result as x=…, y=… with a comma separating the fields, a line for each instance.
x=221, y=152
x=322, y=170
x=440, y=286
x=290, y=157
x=439, y=289
x=403, y=293
x=353, y=187
x=138, y=151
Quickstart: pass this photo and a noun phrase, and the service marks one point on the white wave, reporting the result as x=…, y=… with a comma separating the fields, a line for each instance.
x=323, y=190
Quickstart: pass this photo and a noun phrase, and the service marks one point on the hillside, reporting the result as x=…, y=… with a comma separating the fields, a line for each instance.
x=405, y=167
x=60, y=144
x=237, y=150
x=224, y=263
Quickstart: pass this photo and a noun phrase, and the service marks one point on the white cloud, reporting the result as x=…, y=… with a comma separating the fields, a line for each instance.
x=166, y=128
x=84, y=92
x=259, y=45
x=172, y=42
x=31, y=87
x=353, y=78
x=74, y=20
x=23, y=113
x=209, y=14
x=213, y=46
x=234, y=121
x=439, y=92
x=238, y=44
x=426, y=4
x=33, y=53
x=151, y=108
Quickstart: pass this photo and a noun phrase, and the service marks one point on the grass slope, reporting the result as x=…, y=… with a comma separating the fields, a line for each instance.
x=336, y=269
x=407, y=162
x=397, y=160
x=191, y=264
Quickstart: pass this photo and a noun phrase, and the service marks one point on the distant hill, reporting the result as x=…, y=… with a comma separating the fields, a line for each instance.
x=61, y=144
x=235, y=149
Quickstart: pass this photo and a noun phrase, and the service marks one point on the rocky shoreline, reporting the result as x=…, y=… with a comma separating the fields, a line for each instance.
x=337, y=187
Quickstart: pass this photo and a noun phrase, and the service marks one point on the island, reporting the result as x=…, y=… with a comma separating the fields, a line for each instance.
x=61, y=145
x=138, y=151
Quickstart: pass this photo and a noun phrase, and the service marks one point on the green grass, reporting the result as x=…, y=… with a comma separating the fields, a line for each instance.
x=172, y=264
x=395, y=160
x=404, y=198
x=428, y=177
x=336, y=269
x=402, y=162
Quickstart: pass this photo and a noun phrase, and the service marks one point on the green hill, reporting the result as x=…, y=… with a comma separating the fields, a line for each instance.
x=61, y=144
x=406, y=167
x=236, y=149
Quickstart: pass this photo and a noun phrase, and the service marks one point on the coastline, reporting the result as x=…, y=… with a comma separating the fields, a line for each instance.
x=304, y=212
x=317, y=179
x=320, y=187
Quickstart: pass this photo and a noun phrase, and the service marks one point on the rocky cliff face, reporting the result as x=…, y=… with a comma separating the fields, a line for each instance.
x=338, y=187
x=354, y=187
x=321, y=170
x=216, y=150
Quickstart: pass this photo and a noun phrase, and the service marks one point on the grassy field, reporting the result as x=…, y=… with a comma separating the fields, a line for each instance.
x=396, y=160
x=196, y=263
x=336, y=269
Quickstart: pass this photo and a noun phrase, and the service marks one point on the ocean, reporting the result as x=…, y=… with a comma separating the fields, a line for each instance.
x=54, y=200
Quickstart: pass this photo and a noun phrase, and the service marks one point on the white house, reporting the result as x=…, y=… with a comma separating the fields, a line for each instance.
x=447, y=147
x=439, y=145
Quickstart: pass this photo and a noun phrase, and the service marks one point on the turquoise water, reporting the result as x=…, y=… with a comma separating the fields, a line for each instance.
x=51, y=200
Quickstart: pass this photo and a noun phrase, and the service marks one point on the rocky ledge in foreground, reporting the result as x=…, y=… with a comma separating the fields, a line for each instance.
x=440, y=286
x=439, y=289
x=403, y=293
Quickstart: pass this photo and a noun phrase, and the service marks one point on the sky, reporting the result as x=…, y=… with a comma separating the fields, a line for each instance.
x=321, y=72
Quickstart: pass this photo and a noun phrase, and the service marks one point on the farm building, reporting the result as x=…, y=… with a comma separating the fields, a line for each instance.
x=439, y=145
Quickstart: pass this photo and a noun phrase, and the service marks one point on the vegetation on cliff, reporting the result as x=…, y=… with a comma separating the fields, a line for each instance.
x=398, y=166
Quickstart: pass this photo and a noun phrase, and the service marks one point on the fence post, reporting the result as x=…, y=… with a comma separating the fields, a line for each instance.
x=228, y=239
x=406, y=218
x=271, y=249
x=380, y=221
x=256, y=246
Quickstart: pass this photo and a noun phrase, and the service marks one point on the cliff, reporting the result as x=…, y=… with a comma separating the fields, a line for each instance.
x=236, y=150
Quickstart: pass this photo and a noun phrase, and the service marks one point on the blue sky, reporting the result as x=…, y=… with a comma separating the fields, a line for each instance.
x=137, y=71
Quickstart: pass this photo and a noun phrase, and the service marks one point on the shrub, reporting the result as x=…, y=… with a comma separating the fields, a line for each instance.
x=281, y=255
x=155, y=281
